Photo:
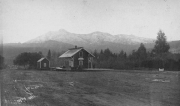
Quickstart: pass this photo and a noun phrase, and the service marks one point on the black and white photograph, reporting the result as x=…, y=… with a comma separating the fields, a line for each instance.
x=89, y=52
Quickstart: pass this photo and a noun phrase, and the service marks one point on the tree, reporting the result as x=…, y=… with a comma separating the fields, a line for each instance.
x=122, y=55
x=95, y=53
x=179, y=64
x=40, y=53
x=101, y=52
x=33, y=58
x=26, y=58
x=125, y=55
x=107, y=53
x=21, y=59
x=1, y=61
x=161, y=45
x=49, y=55
x=133, y=55
x=141, y=52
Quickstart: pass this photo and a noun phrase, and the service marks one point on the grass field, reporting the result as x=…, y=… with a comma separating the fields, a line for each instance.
x=102, y=88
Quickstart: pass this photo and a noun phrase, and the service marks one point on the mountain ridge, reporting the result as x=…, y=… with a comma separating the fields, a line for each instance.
x=92, y=41
x=90, y=38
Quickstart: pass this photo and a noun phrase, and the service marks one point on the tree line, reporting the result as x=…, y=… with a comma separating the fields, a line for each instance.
x=159, y=57
x=29, y=59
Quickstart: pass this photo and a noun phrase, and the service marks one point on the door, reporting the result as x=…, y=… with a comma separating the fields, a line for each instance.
x=89, y=65
x=80, y=62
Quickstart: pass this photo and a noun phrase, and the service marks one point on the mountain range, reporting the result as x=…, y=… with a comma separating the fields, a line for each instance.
x=62, y=40
x=91, y=38
x=95, y=40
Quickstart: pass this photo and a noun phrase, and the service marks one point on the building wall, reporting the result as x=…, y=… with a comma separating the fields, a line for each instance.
x=65, y=61
x=85, y=61
x=38, y=65
x=42, y=64
x=76, y=62
x=85, y=56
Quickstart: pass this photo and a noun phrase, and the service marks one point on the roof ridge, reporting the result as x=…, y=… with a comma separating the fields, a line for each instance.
x=76, y=48
x=42, y=58
x=71, y=52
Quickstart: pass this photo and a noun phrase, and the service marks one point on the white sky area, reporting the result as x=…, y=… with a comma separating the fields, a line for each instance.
x=23, y=20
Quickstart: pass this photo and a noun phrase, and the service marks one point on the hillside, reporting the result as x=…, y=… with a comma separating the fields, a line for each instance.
x=62, y=40
x=13, y=49
x=95, y=40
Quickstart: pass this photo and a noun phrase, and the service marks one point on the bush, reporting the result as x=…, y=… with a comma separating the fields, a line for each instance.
x=28, y=60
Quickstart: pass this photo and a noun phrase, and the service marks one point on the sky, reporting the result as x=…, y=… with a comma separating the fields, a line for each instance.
x=23, y=20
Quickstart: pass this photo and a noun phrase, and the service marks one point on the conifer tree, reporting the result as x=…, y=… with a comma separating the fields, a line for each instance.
x=49, y=55
x=141, y=52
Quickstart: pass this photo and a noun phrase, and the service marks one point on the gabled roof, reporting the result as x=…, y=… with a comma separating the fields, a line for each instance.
x=72, y=52
x=42, y=59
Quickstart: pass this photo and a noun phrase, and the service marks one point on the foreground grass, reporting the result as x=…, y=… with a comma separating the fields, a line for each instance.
x=115, y=88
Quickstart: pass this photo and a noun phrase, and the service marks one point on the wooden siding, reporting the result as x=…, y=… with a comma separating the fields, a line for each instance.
x=85, y=58
x=41, y=64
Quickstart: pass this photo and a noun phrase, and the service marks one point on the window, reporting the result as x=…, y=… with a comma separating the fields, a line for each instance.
x=44, y=64
x=80, y=54
x=72, y=59
x=89, y=58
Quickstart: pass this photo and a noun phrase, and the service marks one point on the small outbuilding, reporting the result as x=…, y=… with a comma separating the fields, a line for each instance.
x=43, y=63
x=76, y=58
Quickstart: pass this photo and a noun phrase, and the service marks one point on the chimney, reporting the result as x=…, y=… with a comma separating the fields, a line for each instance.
x=75, y=47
